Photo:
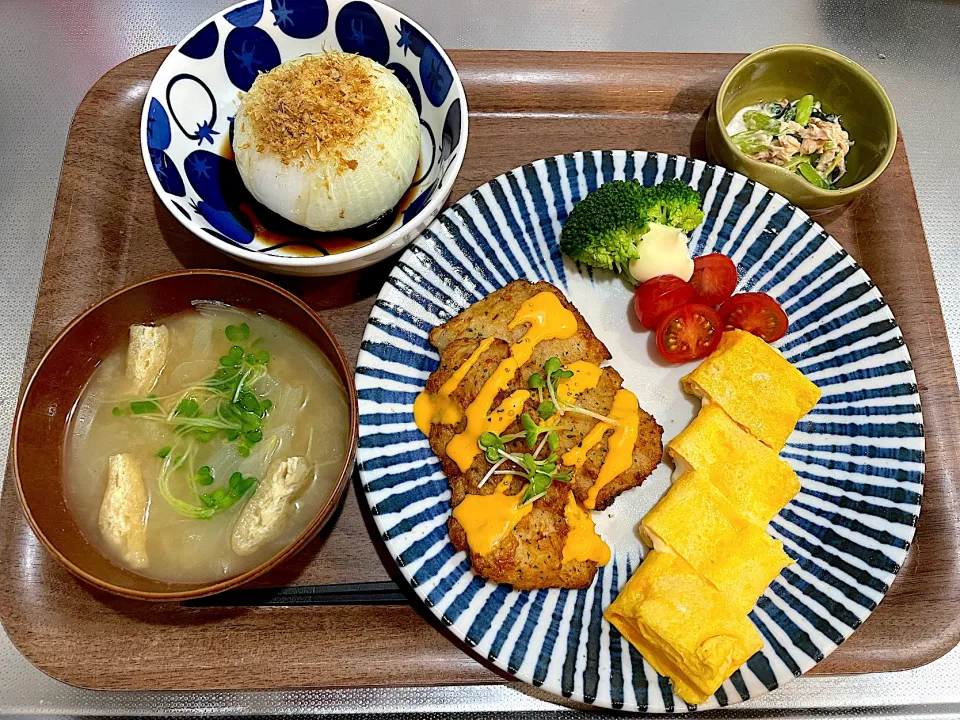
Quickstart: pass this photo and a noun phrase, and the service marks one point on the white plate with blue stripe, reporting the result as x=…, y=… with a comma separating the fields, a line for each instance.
x=859, y=454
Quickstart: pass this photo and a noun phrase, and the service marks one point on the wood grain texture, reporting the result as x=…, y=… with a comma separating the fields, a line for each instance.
x=109, y=230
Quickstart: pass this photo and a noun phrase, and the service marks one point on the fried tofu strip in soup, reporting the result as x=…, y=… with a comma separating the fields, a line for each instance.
x=123, y=514
x=263, y=517
x=146, y=355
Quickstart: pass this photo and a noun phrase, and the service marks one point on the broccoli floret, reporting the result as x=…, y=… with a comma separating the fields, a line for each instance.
x=604, y=228
x=676, y=204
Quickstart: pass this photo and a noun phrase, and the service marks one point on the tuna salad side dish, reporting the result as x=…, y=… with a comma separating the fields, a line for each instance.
x=798, y=136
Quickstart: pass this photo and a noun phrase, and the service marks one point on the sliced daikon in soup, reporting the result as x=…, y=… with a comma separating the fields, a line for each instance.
x=238, y=395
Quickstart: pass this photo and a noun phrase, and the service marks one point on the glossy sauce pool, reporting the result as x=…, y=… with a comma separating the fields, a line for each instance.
x=280, y=236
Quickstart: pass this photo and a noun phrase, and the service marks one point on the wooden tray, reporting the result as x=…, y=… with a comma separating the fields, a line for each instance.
x=109, y=230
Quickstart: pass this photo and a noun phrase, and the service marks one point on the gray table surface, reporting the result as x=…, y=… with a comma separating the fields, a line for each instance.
x=52, y=52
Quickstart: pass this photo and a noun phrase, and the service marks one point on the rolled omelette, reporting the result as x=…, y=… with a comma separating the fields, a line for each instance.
x=751, y=476
x=683, y=626
x=755, y=385
x=696, y=522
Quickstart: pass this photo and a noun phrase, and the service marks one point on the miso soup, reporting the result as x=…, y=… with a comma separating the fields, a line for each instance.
x=228, y=431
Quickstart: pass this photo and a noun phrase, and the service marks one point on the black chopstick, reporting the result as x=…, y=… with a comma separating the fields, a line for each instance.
x=372, y=593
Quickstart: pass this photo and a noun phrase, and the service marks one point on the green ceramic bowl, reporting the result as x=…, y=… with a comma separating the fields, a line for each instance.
x=842, y=86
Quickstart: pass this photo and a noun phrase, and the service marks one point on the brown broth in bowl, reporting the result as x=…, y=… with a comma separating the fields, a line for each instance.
x=205, y=450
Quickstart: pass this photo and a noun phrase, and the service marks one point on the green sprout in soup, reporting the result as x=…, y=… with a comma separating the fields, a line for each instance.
x=224, y=404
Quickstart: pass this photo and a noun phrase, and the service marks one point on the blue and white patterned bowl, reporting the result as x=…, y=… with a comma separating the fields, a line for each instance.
x=859, y=453
x=187, y=116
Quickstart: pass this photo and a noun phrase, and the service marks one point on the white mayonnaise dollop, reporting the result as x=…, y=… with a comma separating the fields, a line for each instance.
x=663, y=251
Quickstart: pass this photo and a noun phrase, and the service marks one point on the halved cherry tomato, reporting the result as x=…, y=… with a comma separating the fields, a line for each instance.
x=714, y=278
x=688, y=332
x=658, y=296
x=757, y=313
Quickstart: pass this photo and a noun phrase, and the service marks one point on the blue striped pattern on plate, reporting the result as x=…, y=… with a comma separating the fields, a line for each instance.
x=859, y=454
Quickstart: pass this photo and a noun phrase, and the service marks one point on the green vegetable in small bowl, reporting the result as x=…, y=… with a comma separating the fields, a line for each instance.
x=821, y=88
x=797, y=136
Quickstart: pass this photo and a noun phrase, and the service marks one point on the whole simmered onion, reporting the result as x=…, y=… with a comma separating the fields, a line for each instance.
x=328, y=141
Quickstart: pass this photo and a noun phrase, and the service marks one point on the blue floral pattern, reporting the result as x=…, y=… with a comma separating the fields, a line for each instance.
x=451, y=130
x=203, y=43
x=410, y=39
x=245, y=16
x=209, y=174
x=158, y=140
x=158, y=126
x=247, y=53
x=435, y=76
x=360, y=30
x=204, y=129
x=301, y=18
